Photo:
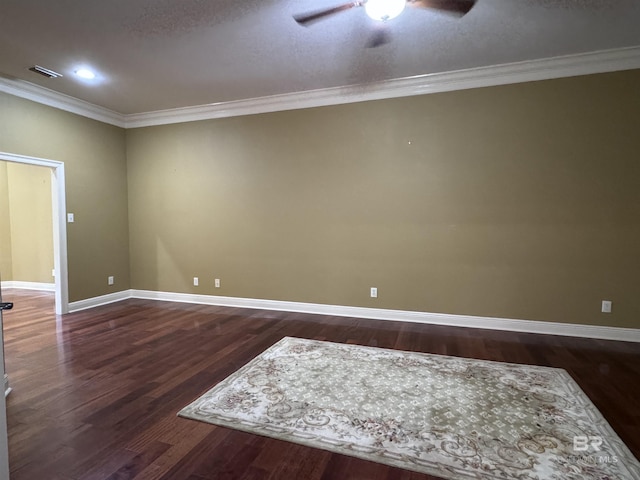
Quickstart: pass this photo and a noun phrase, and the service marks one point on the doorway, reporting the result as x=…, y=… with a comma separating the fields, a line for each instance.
x=58, y=204
x=59, y=209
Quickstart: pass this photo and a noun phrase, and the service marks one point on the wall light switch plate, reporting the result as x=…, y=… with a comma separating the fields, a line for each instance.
x=70, y=218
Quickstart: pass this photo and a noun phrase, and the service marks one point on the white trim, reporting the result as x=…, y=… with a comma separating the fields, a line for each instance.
x=518, y=72
x=98, y=301
x=532, y=70
x=490, y=323
x=59, y=210
x=45, y=287
x=60, y=267
x=36, y=93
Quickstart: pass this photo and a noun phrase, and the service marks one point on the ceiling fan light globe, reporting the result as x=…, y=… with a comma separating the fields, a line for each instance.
x=384, y=9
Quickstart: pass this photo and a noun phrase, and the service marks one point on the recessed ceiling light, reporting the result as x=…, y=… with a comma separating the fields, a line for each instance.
x=85, y=73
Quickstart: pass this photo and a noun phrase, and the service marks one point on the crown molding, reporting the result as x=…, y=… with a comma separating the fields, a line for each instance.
x=45, y=96
x=533, y=70
x=528, y=71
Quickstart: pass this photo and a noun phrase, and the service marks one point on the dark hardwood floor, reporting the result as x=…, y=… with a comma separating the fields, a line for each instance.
x=96, y=392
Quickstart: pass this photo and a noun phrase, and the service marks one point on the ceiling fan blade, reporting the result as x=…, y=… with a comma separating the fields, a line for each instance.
x=380, y=36
x=458, y=8
x=309, y=18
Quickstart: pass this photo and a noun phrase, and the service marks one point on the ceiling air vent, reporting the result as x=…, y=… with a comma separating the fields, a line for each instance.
x=45, y=72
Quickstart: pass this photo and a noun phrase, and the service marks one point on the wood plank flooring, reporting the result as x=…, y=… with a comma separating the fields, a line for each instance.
x=96, y=392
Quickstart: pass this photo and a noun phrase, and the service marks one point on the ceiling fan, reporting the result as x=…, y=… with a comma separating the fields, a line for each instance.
x=383, y=10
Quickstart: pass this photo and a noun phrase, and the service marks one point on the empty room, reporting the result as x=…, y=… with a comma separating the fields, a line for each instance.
x=386, y=239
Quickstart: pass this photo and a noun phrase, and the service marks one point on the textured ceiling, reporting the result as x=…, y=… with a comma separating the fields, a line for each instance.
x=160, y=54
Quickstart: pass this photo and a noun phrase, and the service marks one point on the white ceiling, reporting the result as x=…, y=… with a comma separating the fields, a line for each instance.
x=164, y=54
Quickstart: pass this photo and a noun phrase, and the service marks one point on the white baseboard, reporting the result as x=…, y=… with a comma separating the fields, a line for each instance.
x=491, y=323
x=445, y=319
x=97, y=301
x=47, y=287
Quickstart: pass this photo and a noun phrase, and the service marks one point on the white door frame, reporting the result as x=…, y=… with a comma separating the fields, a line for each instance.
x=59, y=208
x=4, y=437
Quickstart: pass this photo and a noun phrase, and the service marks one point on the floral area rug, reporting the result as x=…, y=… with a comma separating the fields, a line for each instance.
x=450, y=417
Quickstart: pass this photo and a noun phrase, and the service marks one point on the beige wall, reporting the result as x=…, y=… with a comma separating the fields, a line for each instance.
x=30, y=222
x=517, y=201
x=95, y=164
x=6, y=270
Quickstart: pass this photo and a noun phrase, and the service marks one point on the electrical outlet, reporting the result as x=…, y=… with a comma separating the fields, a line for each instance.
x=70, y=218
x=53, y=272
x=374, y=292
x=606, y=306
x=110, y=280
x=217, y=283
x=195, y=281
